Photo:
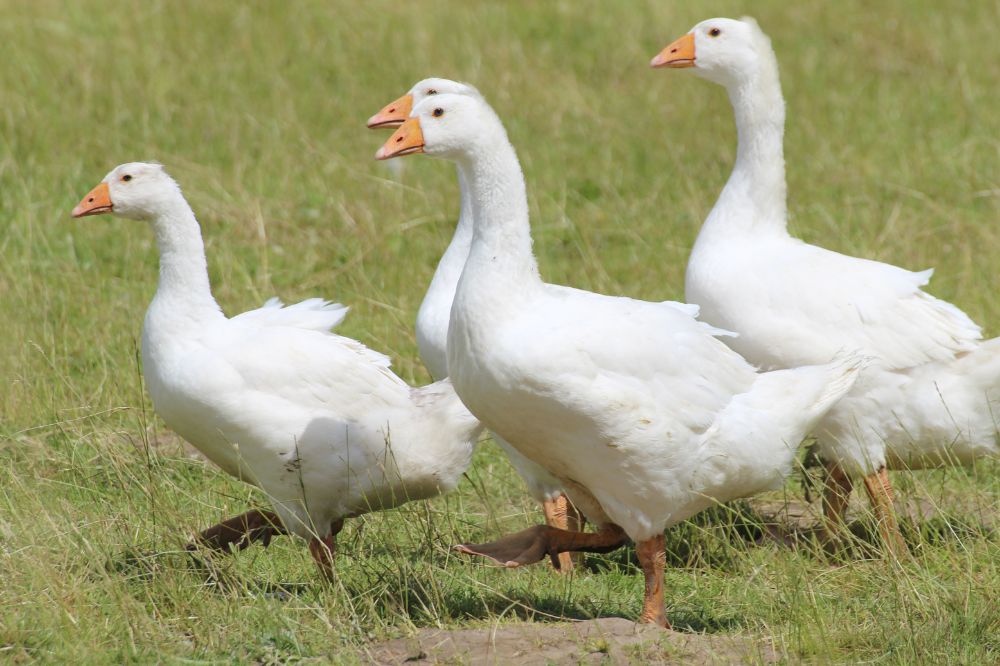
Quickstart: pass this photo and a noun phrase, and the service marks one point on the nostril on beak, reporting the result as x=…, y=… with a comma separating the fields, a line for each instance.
x=398, y=139
x=90, y=200
x=674, y=50
x=392, y=110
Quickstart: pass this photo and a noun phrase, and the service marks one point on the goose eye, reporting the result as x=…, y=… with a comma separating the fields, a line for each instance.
x=714, y=32
x=126, y=178
x=431, y=91
x=438, y=112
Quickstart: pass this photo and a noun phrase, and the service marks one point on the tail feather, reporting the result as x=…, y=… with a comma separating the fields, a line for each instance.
x=442, y=403
x=755, y=438
x=315, y=314
x=843, y=372
x=796, y=399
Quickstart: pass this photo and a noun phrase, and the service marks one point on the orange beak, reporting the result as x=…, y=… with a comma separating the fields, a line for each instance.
x=407, y=140
x=676, y=55
x=97, y=201
x=393, y=114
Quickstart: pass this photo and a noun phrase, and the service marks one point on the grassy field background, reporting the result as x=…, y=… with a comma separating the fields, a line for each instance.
x=893, y=148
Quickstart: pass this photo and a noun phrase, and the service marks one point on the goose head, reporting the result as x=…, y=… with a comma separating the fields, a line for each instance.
x=722, y=50
x=395, y=113
x=137, y=190
x=445, y=125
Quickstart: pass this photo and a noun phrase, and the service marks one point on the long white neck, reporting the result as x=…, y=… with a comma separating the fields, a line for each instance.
x=462, y=240
x=449, y=269
x=183, y=293
x=754, y=198
x=501, y=238
x=501, y=273
x=435, y=309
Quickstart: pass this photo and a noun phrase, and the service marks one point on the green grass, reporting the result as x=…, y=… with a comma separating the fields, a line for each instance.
x=893, y=153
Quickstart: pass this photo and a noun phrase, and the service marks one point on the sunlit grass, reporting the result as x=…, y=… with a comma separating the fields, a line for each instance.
x=259, y=110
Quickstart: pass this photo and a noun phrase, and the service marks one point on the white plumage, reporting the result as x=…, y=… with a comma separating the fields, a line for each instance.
x=637, y=408
x=930, y=394
x=435, y=309
x=317, y=421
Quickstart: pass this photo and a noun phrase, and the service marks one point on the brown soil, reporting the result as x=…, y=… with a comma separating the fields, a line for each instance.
x=603, y=641
x=795, y=514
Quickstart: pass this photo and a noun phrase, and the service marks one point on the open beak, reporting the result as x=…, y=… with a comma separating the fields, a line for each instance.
x=677, y=54
x=406, y=140
x=393, y=114
x=97, y=201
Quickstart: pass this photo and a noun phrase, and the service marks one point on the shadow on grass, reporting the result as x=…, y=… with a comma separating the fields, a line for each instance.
x=419, y=584
x=410, y=596
x=543, y=606
x=860, y=538
x=214, y=569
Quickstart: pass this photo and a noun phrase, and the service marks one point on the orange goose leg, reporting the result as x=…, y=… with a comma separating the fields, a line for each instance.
x=535, y=543
x=240, y=531
x=575, y=522
x=652, y=556
x=324, y=550
x=559, y=513
x=881, y=496
x=836, y=494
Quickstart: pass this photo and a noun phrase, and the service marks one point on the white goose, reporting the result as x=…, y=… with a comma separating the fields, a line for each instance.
x=315, y=420
x=642, y=414
x=930, y=395
x=435, y=310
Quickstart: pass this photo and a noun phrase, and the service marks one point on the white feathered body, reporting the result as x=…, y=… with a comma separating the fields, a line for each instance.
x=639, y=411
x=930, y=393
x=643, y=415
x=317, y=421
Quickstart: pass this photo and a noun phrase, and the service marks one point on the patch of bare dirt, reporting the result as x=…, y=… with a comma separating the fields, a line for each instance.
x=800, y=515
x=795, y=521
x=602, y=641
